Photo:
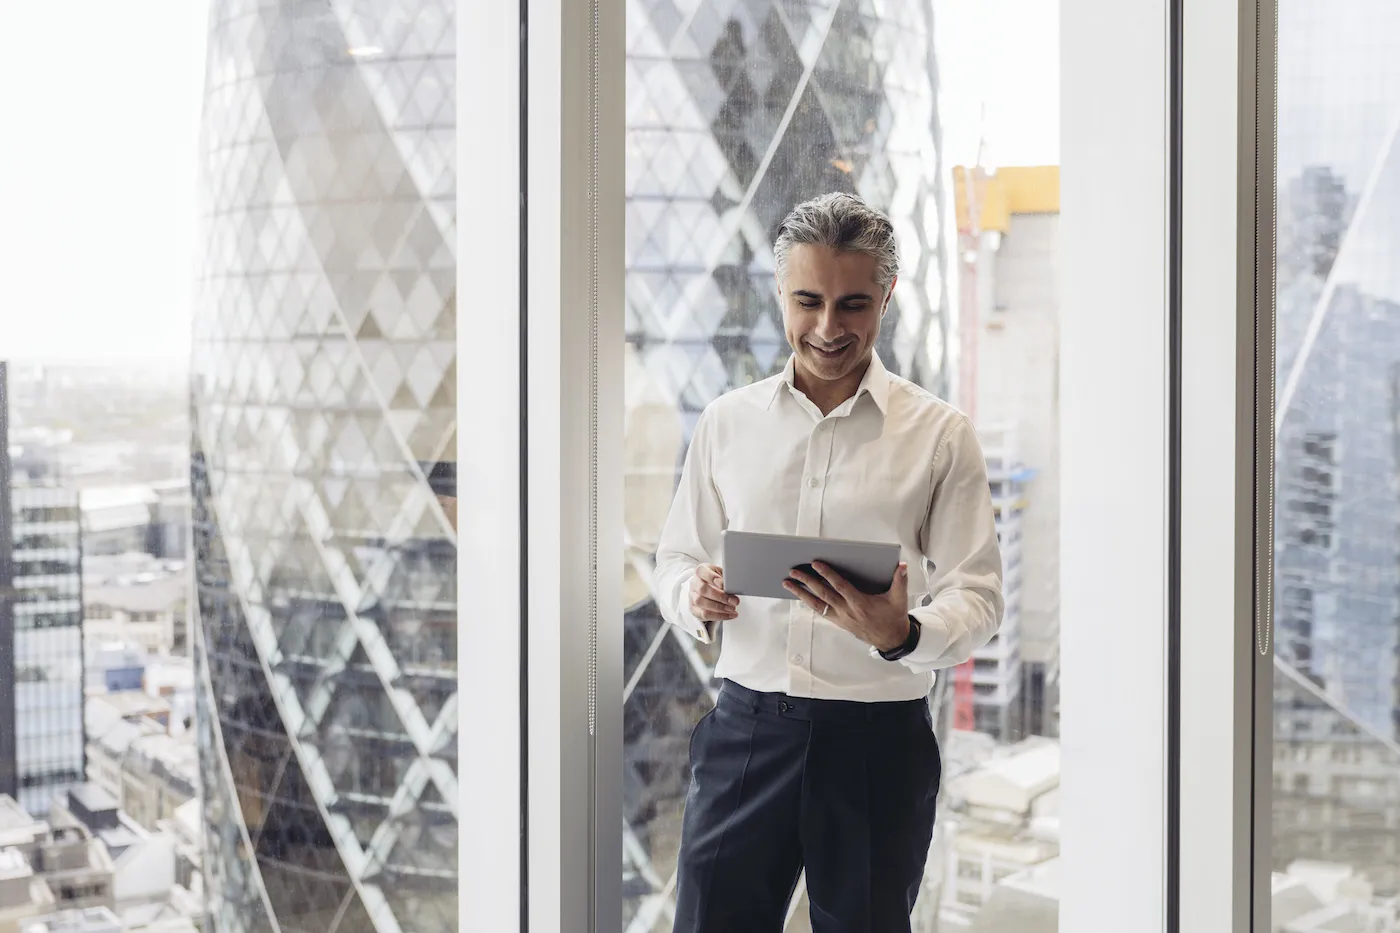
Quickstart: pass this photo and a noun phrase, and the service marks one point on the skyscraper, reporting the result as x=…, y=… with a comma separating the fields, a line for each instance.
x=323, y=397
x=41, y=630
x=999, y=708
x=1338, y=445
x=9, y=783
x=737, y=111
x=1337, y=475
x=1011, y=371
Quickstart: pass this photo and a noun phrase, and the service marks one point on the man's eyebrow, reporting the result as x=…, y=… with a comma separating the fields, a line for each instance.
x=854, y=296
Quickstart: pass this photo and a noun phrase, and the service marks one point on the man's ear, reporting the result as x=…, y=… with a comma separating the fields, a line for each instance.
x=888, y=295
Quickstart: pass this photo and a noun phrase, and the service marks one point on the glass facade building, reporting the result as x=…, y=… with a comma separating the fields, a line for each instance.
x=1337, y=609
x=737, y=111
x=41, y=631
x=48, y=617
x=323, y=412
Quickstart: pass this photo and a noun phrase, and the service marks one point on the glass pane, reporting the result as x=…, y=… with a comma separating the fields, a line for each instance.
x=228, y=596
x=1336, y=826
x=736, y=114
x=323, y=434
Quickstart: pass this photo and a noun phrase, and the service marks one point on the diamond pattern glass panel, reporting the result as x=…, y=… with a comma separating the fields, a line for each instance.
x=324, y=394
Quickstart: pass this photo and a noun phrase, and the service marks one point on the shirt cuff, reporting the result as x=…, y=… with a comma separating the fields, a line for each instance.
x=703, y=632
x=934, y=639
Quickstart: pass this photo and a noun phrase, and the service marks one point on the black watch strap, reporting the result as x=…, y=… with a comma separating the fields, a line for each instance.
x=910, y=643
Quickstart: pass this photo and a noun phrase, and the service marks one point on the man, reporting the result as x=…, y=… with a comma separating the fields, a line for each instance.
x=820, y=753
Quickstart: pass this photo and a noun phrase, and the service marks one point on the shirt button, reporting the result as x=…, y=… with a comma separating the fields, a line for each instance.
x=814, y=482
x=797, y=659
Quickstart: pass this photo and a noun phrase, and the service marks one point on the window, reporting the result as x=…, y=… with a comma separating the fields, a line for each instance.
x=327, y=316
x=1337, y=526
x=280, y=441
x=275, y=446
x=732, y=120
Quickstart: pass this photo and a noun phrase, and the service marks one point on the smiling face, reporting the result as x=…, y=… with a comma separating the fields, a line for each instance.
x=832, y=307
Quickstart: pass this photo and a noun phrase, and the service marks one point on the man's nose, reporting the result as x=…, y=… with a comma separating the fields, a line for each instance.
x=828, y=324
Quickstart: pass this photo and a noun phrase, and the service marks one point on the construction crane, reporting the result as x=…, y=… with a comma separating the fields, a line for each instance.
x=969, y=250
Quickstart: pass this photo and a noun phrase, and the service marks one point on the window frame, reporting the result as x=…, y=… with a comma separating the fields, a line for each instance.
x=489, y=535
x=1156, y=194
x=1227, y=322
x=1121, y=419
x=545, y=849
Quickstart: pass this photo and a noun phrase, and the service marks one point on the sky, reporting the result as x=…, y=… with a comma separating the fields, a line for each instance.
x=98, y=171
x=100, y=106
x=1001, y=59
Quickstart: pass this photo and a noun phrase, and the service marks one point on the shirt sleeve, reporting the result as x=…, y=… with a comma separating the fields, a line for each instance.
x=692, y=533
x=962, y=558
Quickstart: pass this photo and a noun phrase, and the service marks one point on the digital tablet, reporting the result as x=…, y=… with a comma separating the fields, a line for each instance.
x=757, y=564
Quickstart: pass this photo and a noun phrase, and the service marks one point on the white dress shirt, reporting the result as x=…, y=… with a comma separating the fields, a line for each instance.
x=891, y=464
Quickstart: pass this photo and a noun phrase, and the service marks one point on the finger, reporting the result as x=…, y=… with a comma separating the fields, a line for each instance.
x=709, y=573
x=899, y=590
x=710, y=609
x=718, y=595
x=817, y=585
x=804, y=596
x=711, y=583
x=833, y=579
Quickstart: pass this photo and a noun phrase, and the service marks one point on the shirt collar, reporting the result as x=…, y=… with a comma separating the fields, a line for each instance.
x=875, y=383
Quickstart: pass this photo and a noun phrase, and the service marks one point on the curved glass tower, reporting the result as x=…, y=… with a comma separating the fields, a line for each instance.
x=323, y=418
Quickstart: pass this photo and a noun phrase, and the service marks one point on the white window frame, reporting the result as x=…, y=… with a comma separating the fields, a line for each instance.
x=541, y=831
x=489, y=533
x=1114, y=503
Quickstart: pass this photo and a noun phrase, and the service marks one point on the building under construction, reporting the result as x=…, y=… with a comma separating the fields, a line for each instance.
x=1008, y=335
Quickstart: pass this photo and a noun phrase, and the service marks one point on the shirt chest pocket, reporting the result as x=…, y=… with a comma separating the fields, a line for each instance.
x=761, y=488
x=884, y=496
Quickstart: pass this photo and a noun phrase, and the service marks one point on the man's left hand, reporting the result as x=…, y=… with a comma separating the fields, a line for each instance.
x=879, y=619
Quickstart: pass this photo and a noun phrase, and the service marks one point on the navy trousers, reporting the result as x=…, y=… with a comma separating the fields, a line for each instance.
x=845, y=790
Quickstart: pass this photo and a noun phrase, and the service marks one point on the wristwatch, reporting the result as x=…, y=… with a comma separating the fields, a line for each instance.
x=910, y=643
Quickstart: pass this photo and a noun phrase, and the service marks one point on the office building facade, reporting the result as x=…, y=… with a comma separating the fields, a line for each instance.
x=736, y=112
x=1338, y=448
x=999, y=708
x=324, y=391
x=41, y=631
x=1337, y=517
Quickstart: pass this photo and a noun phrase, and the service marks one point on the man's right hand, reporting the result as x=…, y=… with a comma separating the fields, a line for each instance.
x=708, y=600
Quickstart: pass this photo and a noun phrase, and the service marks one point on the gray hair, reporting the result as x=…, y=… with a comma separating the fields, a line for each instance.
x=841, y=222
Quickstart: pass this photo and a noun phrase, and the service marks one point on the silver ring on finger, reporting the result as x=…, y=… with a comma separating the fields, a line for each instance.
x=825, y=608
